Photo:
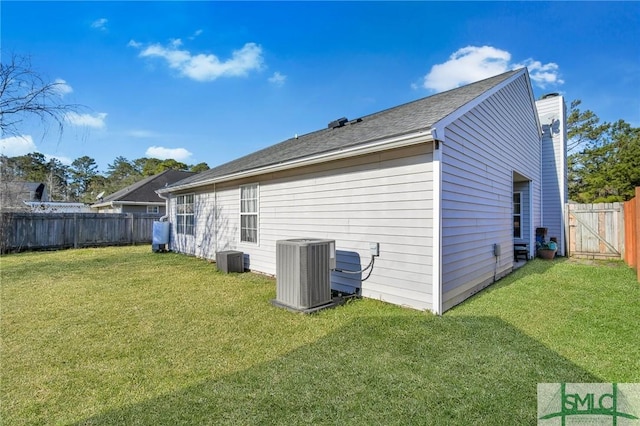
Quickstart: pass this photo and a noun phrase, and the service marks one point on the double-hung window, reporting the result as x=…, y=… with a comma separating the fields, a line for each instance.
x=184, y=214
x=249, y=213
x=517, y=215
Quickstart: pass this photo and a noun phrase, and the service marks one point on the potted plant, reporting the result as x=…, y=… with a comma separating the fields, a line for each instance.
x=547, y=250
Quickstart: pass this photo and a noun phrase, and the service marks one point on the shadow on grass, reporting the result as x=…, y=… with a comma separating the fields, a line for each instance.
x=377, y=370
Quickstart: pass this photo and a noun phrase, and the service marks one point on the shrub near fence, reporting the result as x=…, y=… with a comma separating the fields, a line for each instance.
x=35, y=231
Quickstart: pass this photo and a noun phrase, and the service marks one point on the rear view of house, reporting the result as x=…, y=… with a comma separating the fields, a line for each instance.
x=445, y=186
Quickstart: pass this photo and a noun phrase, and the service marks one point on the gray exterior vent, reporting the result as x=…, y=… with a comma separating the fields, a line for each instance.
x=303, y=273
x=338, y=123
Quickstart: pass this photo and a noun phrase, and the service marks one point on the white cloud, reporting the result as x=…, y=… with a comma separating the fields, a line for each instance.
x=100, y=24
x=473, y=63
x=542, y=75
x=142, y=134
x=96, y=121
x=133, y=43
x=61, y=87
x=277, y=79
x=64, y=160
x=205, y=67
x=178, y=154
x=14, y=146
x=195, y=34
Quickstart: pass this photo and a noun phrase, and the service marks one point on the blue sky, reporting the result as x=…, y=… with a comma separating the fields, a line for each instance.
x=212, y=81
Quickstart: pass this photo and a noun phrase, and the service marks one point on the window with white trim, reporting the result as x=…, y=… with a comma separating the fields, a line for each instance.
x=249, y=213
x=517, y=215
x=184, y=214
x=153, y=209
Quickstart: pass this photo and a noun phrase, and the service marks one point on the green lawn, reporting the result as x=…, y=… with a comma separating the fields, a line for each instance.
x=126, y=336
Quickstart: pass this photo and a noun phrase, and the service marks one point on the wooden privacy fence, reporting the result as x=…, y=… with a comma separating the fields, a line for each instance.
x=596, y=231
x=36, y=231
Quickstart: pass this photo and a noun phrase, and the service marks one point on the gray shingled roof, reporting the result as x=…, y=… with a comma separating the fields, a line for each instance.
x=407, y=118
x=145, y=190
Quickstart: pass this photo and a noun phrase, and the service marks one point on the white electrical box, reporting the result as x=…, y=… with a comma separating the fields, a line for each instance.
x=374, y=249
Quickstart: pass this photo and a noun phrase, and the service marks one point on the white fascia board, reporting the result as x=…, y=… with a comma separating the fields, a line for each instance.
x=138, y=203
x=127, y=203
x=535, y=106
x=414, y=138
x=440, y=125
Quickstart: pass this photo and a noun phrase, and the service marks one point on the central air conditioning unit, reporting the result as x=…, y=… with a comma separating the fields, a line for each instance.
x=303, y=273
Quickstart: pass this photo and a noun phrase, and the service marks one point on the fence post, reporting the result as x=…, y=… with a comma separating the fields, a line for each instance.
x=567, y=231
x=75, y=230
x=131, y=224
x=636, y=219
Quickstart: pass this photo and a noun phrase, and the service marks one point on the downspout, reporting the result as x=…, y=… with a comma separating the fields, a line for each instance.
x=563, y=176
x=215, y=219
x=533, y=247
x=436, y=257
x=166, y=208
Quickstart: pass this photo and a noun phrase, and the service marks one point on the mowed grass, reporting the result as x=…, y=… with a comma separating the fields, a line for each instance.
x=125, y=336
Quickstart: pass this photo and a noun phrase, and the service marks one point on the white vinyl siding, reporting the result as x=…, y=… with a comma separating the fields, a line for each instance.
x=554, y=167
x=384, y=197
x=481, y=150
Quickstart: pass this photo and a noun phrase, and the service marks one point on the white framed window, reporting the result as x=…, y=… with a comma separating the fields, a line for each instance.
x=153, y=209
x=185, y=214
x=249, y=213
x=517, y=215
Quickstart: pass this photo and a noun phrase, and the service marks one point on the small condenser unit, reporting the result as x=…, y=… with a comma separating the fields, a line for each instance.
x=303, y=272
x=230, y=261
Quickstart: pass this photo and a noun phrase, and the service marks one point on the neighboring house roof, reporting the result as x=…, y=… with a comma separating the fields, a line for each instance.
x=405, y=119
x=14, y=193
x=144, y=191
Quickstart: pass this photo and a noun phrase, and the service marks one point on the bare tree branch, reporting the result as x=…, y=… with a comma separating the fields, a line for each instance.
x=25, y=93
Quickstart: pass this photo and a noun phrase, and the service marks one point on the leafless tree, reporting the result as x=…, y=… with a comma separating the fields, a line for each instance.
x=25, y=93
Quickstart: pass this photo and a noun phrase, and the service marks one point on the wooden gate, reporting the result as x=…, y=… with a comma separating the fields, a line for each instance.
x=596, y=231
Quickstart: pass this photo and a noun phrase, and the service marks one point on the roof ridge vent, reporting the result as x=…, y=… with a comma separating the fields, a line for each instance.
x=338, y=123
